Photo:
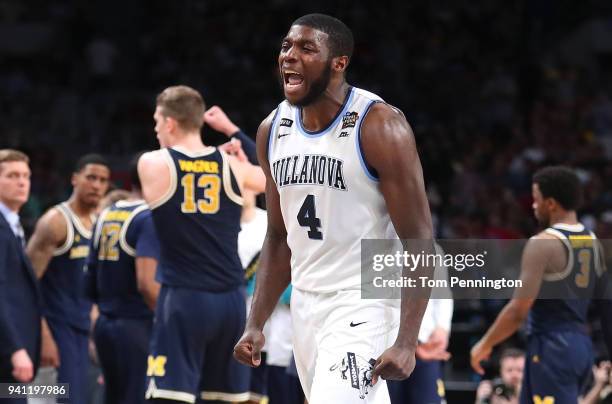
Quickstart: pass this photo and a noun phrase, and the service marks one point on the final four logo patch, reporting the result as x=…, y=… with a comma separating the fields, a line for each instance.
x=349, y=120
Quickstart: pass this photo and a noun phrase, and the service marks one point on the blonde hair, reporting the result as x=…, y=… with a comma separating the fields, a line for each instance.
x=10, y=155
x=184, y=104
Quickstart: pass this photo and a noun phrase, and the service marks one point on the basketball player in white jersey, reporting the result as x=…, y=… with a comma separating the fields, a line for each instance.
x=341, y=166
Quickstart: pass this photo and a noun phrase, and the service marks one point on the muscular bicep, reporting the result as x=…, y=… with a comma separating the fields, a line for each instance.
x=389, y=147
x=50, y=233
x=534, y=261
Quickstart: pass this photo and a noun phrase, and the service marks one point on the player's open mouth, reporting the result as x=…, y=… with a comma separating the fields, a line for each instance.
x=292, y=79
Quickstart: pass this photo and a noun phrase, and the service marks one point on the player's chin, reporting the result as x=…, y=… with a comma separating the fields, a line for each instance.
x=93, y=200
x=295, y=94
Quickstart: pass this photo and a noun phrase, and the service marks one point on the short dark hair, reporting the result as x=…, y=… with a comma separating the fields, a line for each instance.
x=560, y=183
x=511, y=353
x=91, y=158
x=184, y=104
x=340, y=37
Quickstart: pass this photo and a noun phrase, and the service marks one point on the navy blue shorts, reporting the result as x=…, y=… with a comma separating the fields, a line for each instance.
x=123, y=346
x=72, y=344
x=424, y=386
x=258, y=387
x=557, y=367
x=191, y=351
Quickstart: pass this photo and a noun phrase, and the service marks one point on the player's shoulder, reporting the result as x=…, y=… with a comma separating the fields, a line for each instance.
x=266, y=124
x=53, y=224
x=360, y=93
x=56, y=215
x=153, y=157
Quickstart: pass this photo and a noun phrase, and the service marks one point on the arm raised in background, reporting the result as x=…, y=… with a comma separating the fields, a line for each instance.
x=274, y=273
x=389, y=148
x=217, y=119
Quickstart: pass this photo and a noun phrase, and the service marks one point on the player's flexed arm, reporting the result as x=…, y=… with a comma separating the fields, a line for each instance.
x=389, y=147
x=274, y=273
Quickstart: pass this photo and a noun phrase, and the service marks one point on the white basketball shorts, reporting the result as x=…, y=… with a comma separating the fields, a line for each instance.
x=337, y=338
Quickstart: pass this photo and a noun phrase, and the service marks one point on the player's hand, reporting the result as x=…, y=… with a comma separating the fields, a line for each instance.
x=484, y=390
x=429, y=352
x=234, y=148
x=216, y=118
x=248, y=350
x=480, y=352
x=601, y=372
x=435, y=347
x=394, y=364
x=23, y=369
x=49, y=354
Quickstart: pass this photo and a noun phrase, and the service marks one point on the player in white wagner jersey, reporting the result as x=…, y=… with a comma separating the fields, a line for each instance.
x=341, y=166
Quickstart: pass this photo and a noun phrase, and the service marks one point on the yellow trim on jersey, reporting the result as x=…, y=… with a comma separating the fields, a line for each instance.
x=172, y=189
x=229, y=397
x=227, y=180
x=125, y=246
x=69, y=233
x=557, y=276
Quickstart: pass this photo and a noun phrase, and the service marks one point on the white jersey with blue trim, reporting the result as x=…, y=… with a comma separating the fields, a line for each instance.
x=329, y=197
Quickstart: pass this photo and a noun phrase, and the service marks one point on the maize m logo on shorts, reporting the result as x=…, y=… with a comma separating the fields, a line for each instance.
x=358, y=369
x=156, y=365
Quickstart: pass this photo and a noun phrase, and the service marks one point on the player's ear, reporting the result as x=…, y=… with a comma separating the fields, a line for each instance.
x=340, y=63
x=171, y=123
x=74, y=179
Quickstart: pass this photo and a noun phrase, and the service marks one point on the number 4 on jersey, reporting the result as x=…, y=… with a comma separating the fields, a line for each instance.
x=307, y=217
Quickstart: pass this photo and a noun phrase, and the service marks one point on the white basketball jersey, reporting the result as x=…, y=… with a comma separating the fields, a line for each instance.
x=329, y=198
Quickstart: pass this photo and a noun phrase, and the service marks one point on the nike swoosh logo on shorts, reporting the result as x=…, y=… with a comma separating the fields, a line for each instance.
x=356, y=324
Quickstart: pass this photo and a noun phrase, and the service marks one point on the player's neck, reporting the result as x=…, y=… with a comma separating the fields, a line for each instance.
x=80, y=209
x=320, y=113
x=564, y=217
x=189, y=141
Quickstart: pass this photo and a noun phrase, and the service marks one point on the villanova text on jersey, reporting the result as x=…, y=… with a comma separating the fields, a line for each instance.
x=310, y=169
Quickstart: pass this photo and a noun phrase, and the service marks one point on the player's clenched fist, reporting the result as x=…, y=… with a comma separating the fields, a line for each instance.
x=248, y=350
x=394, y=364
x=216, y=118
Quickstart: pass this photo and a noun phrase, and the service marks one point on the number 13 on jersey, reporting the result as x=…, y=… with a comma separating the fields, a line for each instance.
x=307, y=217
x=210, y=185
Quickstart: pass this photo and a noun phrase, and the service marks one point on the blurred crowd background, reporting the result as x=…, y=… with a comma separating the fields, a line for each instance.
x=493, y=89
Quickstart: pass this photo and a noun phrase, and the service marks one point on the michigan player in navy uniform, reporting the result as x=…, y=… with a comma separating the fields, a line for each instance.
x=58, y=250
x=194, y=194
x=120, y=278
x=567, y=257
x=341, y=166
